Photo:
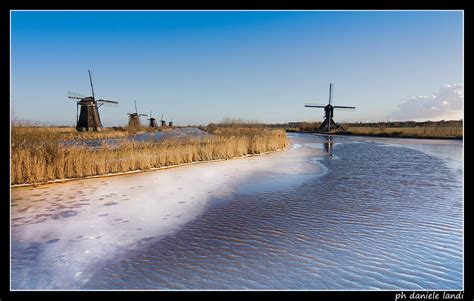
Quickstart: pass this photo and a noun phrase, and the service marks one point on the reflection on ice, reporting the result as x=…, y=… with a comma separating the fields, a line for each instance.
x=328, y=145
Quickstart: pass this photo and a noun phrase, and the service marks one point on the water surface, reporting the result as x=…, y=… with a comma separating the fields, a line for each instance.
x=189, y=133
x=381, y=214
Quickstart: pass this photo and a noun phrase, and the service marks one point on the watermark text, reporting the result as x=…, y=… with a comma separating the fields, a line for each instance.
x=429, y=296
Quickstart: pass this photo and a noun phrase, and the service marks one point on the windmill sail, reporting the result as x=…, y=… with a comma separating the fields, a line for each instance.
x=73, y=95
x=314, y=106
x=328, y=122
x=92, y=86
x=107, y=101
x=344, y=107
x=331, y=92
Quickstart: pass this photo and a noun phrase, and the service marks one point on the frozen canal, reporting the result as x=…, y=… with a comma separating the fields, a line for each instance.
x=378, y=214
x=187, y=132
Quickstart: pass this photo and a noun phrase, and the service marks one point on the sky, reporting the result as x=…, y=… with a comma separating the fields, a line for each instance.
x=198, y=67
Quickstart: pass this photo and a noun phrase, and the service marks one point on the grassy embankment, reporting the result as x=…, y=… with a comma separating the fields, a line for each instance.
x=435, y=130
x=38, y=156
x=408, y=132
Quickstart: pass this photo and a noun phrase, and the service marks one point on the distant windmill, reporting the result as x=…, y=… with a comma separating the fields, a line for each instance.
x=163, y=122
x=89, y=114
x=328, y=123
x=152, y=120
x=171, y=122
x=134, y=118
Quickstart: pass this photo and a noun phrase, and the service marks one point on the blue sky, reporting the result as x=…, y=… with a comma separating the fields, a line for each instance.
x=204, y=66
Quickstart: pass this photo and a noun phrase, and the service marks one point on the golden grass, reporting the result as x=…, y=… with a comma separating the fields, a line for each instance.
x=37, y=157
x=415, y=132
x=63, y=134
x=309, y=127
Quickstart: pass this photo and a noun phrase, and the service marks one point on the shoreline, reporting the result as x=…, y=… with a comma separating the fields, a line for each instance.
x=139, y=171
x=381, y=135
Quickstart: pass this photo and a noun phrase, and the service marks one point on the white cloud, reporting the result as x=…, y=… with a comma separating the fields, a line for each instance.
x=446, y=104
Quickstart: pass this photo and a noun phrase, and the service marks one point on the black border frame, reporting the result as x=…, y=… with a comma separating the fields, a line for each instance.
x=7, y=294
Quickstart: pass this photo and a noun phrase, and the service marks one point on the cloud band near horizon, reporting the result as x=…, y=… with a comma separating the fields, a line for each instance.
x=446, y=104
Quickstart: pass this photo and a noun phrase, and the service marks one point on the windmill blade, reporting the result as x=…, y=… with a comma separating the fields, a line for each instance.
x=344, y=107
x=73, y=95
x=314, y=106
x=136, y=110
x=142, y=114
x=107, y=101
x=92, y=86
x=331, y=92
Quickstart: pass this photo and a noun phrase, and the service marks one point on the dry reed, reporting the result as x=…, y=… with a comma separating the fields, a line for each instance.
x=39, y=155
x=414, y=132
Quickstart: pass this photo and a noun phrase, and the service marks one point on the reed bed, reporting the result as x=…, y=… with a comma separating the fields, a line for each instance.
x=64, y=134
x=38, y=156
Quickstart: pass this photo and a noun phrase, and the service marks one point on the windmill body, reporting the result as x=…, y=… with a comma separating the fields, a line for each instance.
x=163, y=122
x=134, y=118
x=152, y=121
x=329, y=123
x=88, y=116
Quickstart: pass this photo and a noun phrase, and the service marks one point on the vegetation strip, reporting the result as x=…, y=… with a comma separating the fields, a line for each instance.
x=139, y=170
x=425, y=130
x=39, y=157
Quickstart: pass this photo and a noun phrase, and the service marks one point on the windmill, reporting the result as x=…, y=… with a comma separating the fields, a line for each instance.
x=152, y=123
x=328, y=122
x=134, y=118
x=163, y=122
x=89, y=114
x=171, y=122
